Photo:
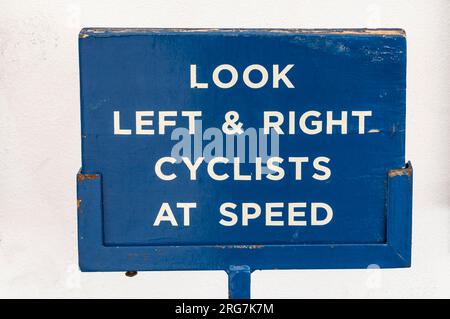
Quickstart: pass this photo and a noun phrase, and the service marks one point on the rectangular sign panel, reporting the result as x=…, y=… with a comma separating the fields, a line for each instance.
x=243, y=150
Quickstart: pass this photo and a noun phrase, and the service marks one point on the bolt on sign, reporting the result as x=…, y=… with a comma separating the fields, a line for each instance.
x=243, y=150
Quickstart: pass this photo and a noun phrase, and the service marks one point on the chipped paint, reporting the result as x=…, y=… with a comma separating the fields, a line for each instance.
x=398, y=32
x=82, y=177
x=241, y=246
x=78, y=203
x=144, y=256
x=86, y=32
x=400, y=172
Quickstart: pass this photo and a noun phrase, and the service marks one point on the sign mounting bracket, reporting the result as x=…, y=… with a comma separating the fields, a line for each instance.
x=94, y=255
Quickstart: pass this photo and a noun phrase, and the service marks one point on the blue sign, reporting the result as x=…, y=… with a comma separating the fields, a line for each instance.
x=241, y=150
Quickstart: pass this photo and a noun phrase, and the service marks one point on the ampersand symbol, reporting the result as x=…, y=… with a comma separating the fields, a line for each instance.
x=230, y=126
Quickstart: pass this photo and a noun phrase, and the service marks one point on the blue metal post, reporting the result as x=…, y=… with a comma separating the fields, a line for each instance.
x=239, y=282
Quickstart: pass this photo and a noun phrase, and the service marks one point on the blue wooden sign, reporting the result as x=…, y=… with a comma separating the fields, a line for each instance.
x=241, y=150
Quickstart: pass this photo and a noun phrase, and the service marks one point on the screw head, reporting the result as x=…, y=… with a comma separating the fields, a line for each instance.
x=131, y=273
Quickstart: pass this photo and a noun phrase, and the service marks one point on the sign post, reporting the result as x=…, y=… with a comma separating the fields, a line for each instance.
x=242, y=150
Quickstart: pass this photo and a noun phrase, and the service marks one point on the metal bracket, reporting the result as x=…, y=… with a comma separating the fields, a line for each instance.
x=94, y=255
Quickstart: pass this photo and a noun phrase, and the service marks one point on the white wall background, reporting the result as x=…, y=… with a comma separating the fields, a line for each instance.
x=40, y=145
